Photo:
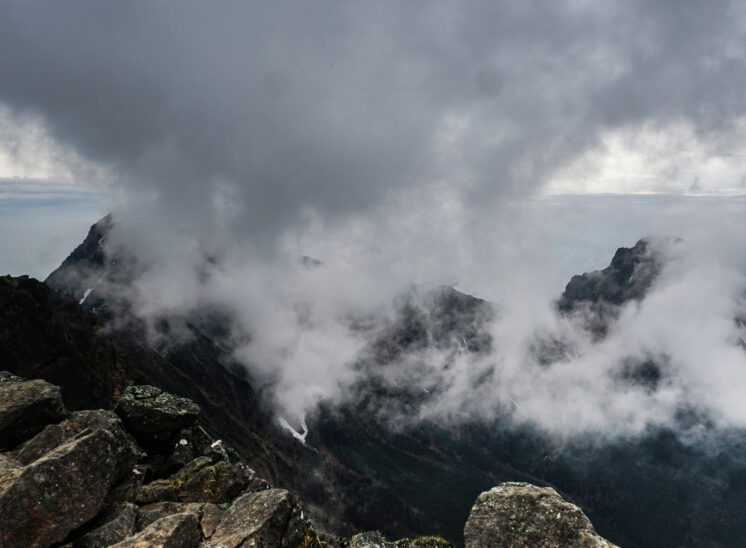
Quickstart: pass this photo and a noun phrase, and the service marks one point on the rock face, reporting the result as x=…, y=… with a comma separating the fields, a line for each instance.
x=630, y=274
x=521, y=515
x=26, y=407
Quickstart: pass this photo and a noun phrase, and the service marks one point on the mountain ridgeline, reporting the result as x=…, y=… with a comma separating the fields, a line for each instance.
x=357, y=470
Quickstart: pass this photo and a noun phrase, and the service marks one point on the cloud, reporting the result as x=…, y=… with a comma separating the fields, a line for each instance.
x=398, y=143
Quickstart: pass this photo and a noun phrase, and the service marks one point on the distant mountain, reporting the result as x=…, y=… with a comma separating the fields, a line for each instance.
x=358, y=470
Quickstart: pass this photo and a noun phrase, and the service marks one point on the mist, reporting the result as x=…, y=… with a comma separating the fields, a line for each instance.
x=405, y=147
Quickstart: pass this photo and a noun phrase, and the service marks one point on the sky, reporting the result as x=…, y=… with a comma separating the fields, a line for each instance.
x=496, y=146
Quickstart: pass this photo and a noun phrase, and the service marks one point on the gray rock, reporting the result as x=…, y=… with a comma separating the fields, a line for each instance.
x=155, y=491
x=221, y=482
x=128, y=487
x=43, y=502
x=153, y=512
x=54, y=435
x=211, y=516
x=175, y=531
x=521, y=515
x=155, y=417
x=26, y=407
x=115, y=525
x=8, y=463
x=267, y=519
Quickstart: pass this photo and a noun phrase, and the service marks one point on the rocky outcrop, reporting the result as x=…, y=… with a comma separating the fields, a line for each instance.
x=521, y=515
x=81, y=481
x=26, y=407
x=628, y=277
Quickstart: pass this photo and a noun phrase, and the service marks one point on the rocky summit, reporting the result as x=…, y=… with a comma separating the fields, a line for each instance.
x=146, y=474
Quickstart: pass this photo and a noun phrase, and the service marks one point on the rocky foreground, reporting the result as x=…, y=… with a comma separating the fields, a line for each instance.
x=146, y=474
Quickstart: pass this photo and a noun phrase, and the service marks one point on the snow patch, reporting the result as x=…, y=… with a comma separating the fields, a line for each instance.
x=85, y=295
x=297, y=435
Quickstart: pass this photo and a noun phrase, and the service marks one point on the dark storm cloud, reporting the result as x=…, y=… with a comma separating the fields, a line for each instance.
x=274, y=108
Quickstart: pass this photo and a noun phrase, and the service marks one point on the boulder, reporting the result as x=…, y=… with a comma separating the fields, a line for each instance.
x=43, y=502
x=203, y=481
x=54, y=435
x=521, y=515
x=155, y=491
x=110, y=527
x=174, y=531
x=157, y=510
x=265, y=519
x=26, y=407
x=155, y=417
x=221, y=482
x=211, y=516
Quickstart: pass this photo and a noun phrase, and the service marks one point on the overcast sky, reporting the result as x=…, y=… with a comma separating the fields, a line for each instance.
x=244, y=118
x=497, y=146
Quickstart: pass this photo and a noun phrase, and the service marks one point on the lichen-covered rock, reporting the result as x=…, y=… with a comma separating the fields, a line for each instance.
x=368, y=539
x=157, y=510
x=521, y=515
x=174, y=531
x=155, y=417
x=26, y=406
x=54, y=435
x=267, y=519
x=43, y=502
x=424, y=542
x=110, y=527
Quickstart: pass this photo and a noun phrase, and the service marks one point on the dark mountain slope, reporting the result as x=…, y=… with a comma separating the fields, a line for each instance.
x=47, y=335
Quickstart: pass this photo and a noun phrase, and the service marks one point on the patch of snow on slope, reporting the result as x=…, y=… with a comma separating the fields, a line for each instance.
x=297, y=435
x=85, y=295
